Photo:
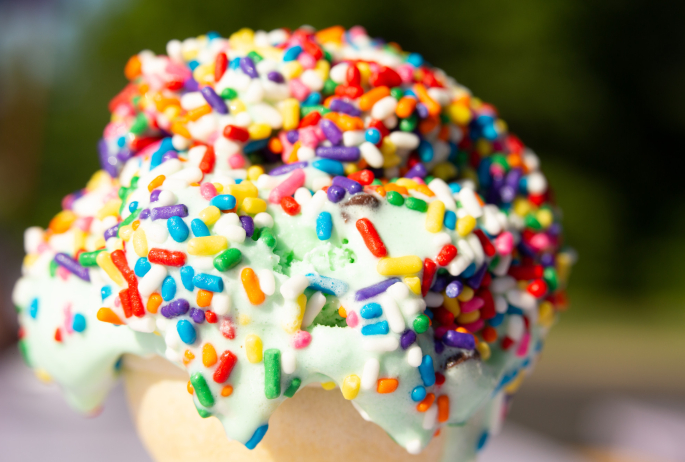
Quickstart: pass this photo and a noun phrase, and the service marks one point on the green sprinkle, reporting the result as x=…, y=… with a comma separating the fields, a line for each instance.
x=416, y=204
x=139, y=125
x=229, y=93
x=376, y=182
x=292, y=388
x=257, y=232
x=397, y=93
x=228, y=259
x=327, y=56
x=24, y=350
x=272, y=373
x=428, y=179
x=268, y=238
x=421, y=323
x=494, y=263
x=256, y=57
x=53, y=268
x=306, y=110
x=329, y=87
x=409, y=124
x=204, y=413
x=550, y=277
x=129, y=219
x=202, y=391
x=88, y=258
x=134, y=182
x=395, y=198
x=532, y=222
x=444, y=119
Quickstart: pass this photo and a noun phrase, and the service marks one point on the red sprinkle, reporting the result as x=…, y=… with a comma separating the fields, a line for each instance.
x=166, y=257
x=429, y=270
x=349, y=91
x=137, y=306
x=537, y=288
x=446, y=255
x=227, y=329
x=507, y=342
x=385, y=76
x=371, y=238
x=439, y=378
x=488, y=248
x=210, y=316
x=220, y=65
x=235, y=133
x=58, y=335
x=312, y=118
x=353, y=76
x=125, y=298
x=226, y=363
x=487, y=311
x=526, y=272
x=290, y=205
x=380, y=126
x=208, y=160
x=363, y=177
x=119, y=260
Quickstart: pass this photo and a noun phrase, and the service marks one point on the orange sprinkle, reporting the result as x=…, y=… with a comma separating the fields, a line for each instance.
x=62, y=222
x=180, y=129
x=227, y=391
x=143, y=88
x=107, y=315
x=387, y=385
x=432, y=105
x=251, y=284
x=293, y=154
x=198, y=112
x=275, y=145
x=154, y=302
x=208, y=355
x=443, y=408
x=156, y=183
x=428, y=124
x=135, y=225
x=188, y=356
x=426, y=403
x=381, y=190
x=133, y=67
x=190, y=388
x=405, y=107
x=423, y=189
x=330, y=34
x=327, y=101
x=371, y=97
x=342, y=312
x=444, y=134
x=204, y=298
x=396, y=188
x=489, y=334
x=514, y=160
x=195, y=183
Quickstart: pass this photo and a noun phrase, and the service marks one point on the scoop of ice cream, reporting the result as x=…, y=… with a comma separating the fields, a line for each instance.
x=402, y=246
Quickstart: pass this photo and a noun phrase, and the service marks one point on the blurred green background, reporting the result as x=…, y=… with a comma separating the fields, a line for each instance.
x=596, y=88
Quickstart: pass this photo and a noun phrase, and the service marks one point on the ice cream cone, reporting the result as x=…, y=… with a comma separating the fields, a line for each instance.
x=315, y=425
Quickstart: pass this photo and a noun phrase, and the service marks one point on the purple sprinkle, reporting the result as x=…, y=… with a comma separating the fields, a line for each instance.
x=439, y=346
x=68, y=202
x=338, y=105
x=513, y=177
x=275, y=76
x=507, y=193
x=169, y=155
x=372, y=291
x=351, y=186
x=554, y=229
x=475, y=281
x=407, y=338
x=331, y=130
x=248, y=67
x=124, y=154
x=190, y=84
x=169, y=211
x=335, y=193
x=154, y=195
x=178, y=307
x=459, y=340
x=341, y=153
x=418, y=170
x=145, y=213
x=247, y=224
x=287, y=168
x=422, y=110
x=112, y=232
x=197, y=315
x=108, y=162
x=214, y=100
x=62, y=259
x=454, y=288
x=441, y=281
x=292, y=136
x=547, y=259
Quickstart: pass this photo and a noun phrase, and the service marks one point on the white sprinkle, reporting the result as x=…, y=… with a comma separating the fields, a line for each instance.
x=268, y=114
x=370, y=373
x=443, y=191
x=33, y=238
x=314, y=207
x=254, y=93
x=165, y=198
x=338, y=73
x=371, y=154
x=503, y=265
x=502, y=284
x=196, y=154
x=305, y=153
x=392, y=314
x=384, y=108
x=288, y=361
x=189, y=174
x=501, y=305
x=221, y=304
x=266, y=181
x=266, y=281
x=537, y=183
x=263, y=220
x=192, y=100
x=145, y=324
x=430, y=417
x=515, y=327
x=293, y=287
x=414, y=447
x=152, y=280
x=404, y=140
x=312, y=80
x=302, y=196
x=522, y=299
x=433, y=299
x=399, y=291
x=414, y=356
x=314, y=306
x=477, y=247
x=469, y=202
x=441, y=239
x=353, y=137
x=413, y=306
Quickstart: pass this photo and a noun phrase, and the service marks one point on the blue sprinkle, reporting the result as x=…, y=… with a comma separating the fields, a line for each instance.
x=415, y=59
x=511, y=309
x=429, y=313
x=234, y=64
x=379, y=328
x=469, y=271
x=223, y=202
x=257, y=437
x=193, y=64
x=105, y=292
x=253, y=146
x=410, y=92
x=313, y=99
x=177, y=229
x=199, y=228
x=121, y=141
x=165, y=146
x=292, y=53
x=425, y=151
x=370, y=311
x=133, y=206
x=238, y=180
x=455, y=187
x=79, y=322
x=327, y=285
x=330, y=166
x=450, y=220
x=208, y=282
x=373, y=136
x=187, y=273
x=33, y=308
x=418, y=394
x=497, y=320
x=168, y=289
x=324, y=226
x=213, y=35
x=186, y=331
x=482, y=441
x=426, y=370
x=142, y=267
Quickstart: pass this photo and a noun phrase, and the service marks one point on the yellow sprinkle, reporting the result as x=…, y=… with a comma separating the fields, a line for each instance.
x=219, y=187
x=468, y=318
x=290, y=111
x=104, y=261
x=254, y=205
x=244, y=319
x=388, y=148
x=328, y=385
x=253, y=348
x=210, y=215
x=546, y=314
x=242, y=190
x=98, y=243
x=42, y=375
x=350, y=386
x=242, y=40
x=99, y=178
x=452, y=305
x=208, y=355
x=259, y=131
x=254, y=172
x=79, y=240
x=236, y=106
x=30, y=259
x=407, y=183
x=445, y=171
x=350, y=168
x=295, y=323
x=110, y=209
x=484, y=350
x=400, y=265
x=522, y=206
x=291, y=70
x=515, y=384
x=435, y=216
x=564, y=262
x=483, y=146
x=140, y=242
x=125, y=232
x=465, y=225
x=414, y=284
x=365, y=72
x=207, y=246
x=466, y=294
x=545, y=217
x=459, y=114
x=322, y=68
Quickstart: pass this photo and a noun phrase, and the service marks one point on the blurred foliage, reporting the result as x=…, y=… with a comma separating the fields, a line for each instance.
x=594, y=87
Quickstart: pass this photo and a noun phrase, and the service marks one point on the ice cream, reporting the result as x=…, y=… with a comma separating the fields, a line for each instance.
x=403, y=246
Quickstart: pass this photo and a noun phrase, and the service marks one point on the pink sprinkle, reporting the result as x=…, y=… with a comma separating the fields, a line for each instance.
x=42, y=247
x=114, y=130
x=208, y=190
x=301, y=339
x=419, y=180
x=504, y=243
x=496, y=170
x=68, y=319
x=474, y=326
x=352, y=319
x=63, y=273
x=83, y=223
x=287, y=187
x=440, y=331
x=406, y=72
x=299, y=90
x=117, y=302
x=476, y=303
x=178, y=70
x=523, y=346
x=307, y=60
x=236, y=161
x=287, y=146
x=211, y=139
x=227, y=329
x=540, y=241
x=309, y=137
